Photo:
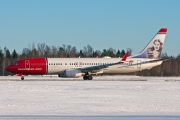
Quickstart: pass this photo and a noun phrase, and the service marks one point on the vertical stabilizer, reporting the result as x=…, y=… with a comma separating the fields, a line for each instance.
x=154, y=48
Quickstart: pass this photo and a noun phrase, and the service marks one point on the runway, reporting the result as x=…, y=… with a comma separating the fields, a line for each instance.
x=95, y=78
x=106, y=97
x=135, y=117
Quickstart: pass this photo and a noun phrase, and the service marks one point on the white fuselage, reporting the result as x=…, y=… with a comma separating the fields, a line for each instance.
x=58, y=65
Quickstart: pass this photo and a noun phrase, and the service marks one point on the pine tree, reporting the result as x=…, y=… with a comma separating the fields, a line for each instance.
x=118, y=53
x=14, y=54
x=8, y=54
x=81, y=53
x=122, y=53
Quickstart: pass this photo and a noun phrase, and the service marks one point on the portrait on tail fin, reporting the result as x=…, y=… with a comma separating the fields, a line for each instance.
x=155, y=50
x=154, y=47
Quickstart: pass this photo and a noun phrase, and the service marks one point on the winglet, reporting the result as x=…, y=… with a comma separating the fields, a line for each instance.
x=125, y=56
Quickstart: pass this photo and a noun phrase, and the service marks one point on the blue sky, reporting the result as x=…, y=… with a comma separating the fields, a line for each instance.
x=119, y=24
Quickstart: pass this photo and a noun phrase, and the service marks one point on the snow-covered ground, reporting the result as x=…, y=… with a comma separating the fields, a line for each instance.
x=95, y=78
x=105, y=95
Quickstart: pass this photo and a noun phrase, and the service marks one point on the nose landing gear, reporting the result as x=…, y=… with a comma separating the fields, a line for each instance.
x=22, y=77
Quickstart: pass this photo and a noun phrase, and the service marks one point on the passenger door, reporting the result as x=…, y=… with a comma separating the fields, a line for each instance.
x=139, y=64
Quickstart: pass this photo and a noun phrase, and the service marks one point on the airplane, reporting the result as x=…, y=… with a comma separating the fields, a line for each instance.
x=86, y=67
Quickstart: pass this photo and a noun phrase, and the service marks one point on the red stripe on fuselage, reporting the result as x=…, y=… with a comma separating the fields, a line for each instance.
x=30, y=66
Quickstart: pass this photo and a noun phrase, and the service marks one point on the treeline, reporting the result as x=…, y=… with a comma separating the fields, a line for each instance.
x=167, y=68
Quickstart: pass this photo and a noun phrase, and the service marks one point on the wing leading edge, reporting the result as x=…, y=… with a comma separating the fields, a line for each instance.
x=147, y=62
x=98, y=68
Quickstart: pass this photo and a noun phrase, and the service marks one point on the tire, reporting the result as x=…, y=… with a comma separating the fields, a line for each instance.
x=22, y=78
x=85, y=77
x=90, y=77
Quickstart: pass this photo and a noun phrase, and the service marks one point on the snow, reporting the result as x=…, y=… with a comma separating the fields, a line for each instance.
x=95, y=78
x=105, y=95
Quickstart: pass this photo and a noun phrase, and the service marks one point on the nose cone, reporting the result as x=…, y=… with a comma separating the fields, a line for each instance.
x=9, y=68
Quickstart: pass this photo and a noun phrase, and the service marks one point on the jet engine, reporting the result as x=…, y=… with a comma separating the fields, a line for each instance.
x=71, y=73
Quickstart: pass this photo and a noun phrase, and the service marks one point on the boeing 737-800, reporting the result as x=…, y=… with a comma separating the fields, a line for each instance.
x=86, y=67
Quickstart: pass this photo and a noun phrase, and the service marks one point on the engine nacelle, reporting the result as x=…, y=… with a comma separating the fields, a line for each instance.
x=71, y=73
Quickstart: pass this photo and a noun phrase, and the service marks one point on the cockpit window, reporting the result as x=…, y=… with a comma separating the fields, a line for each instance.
x=15, y=63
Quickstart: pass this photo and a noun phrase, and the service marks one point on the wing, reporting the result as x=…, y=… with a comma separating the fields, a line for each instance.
x=158, y=60
x=98, y=68
x=150, y=61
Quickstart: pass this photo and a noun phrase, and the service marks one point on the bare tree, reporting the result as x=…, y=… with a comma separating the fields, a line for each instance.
x=33, y=50
x=89, y=51
x=47, y=51
x=61, y=52
x=130, y=51
x=68, y=49
x=85, y=51
x=54, y=51
x=41, y=49
x=73, y=52
x=97, y=53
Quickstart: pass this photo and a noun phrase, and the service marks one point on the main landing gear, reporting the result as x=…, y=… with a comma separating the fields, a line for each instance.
x=87, y=77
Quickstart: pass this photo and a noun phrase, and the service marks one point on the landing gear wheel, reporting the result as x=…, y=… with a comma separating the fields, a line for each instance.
x=85, y=77
x=90, y=77
x=22, y=77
